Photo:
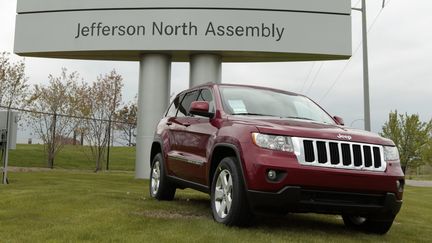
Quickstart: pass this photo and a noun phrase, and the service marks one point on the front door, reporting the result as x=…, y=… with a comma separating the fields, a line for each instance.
x=188, y=159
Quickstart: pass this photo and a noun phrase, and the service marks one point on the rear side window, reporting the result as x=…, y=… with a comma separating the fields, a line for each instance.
x=186, y=103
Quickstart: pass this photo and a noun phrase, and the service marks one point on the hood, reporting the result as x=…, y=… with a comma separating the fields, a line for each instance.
x=310, y=129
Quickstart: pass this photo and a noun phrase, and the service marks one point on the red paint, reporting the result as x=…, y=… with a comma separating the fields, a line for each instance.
x=188, y=144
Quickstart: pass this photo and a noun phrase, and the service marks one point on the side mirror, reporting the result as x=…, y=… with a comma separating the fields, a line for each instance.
x=201, y=108
x=339, y=120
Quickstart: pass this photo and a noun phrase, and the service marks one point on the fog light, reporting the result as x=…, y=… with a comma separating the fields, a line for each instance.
x=271, y=174
x=400, y=185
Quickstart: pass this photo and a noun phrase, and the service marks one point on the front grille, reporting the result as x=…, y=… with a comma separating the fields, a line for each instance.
x=339, y=154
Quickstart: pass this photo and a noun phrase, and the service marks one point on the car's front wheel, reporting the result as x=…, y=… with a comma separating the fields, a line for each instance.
x=377, y=226
x=228, y=196
x=160, y=187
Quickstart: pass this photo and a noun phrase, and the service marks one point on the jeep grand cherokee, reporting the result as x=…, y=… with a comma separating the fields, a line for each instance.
x=259, y=149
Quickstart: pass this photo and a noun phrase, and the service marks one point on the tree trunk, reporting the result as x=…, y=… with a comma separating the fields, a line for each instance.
x=99, y=157
x=51, y=147
x=82, y=138
x=109, y=144
x=50, y=156
x=74, y=137
x=130, y=137
x=404, y=168
x=97, y=164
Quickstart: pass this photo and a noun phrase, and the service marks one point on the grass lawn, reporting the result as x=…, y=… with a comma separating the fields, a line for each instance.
x=420, y=177
x=60, y=206
x=70, y=157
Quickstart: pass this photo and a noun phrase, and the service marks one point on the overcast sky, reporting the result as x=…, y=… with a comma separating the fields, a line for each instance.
x=400, y=56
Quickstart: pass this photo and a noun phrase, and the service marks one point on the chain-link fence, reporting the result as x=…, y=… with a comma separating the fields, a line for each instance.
x=57, y=140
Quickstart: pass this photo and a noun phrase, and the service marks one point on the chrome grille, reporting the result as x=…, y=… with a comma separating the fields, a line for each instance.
x=339, y=154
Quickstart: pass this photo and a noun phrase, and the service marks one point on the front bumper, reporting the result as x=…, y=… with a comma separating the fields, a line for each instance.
x=257, y=162
x=298, y=199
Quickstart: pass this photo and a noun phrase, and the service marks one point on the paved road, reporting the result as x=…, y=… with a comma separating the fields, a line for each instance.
x=419, y=183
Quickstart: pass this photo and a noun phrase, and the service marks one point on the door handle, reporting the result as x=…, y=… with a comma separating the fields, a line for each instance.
x=169, y=123
x=186, y=124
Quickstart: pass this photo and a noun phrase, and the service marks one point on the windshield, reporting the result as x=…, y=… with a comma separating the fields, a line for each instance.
x=261, y=102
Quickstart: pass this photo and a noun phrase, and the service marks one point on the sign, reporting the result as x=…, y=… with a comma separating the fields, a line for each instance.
x=245, y=30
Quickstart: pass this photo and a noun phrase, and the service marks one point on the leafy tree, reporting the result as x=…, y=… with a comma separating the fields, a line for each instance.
x=128, y=118
x=52, y=106
x=101, y=102
x=13, y=82
x=411, y=136
x=427, y=152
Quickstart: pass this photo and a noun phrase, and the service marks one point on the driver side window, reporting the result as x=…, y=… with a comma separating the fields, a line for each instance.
x=206, y=95
x=174, y=106
x=186, y=103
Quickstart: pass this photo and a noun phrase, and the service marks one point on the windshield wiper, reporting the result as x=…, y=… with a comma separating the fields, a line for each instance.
x=300, y=118
x=251, y=114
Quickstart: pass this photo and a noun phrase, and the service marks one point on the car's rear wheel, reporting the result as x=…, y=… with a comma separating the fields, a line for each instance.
x=160, y=187
x=372, y=225
x=228, y=196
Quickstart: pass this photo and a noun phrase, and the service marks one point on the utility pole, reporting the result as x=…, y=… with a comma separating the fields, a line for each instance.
x=366, y=95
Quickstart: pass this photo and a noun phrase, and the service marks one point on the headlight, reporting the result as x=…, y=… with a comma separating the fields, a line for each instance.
x=391, y=153
x=281, y=143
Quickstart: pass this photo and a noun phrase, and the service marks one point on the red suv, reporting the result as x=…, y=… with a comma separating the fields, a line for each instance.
x=260, y=149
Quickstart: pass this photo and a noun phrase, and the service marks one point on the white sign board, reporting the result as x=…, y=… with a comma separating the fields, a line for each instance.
x=237, y=30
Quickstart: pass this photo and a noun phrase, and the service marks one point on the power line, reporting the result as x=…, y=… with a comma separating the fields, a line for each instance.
x=322, y=64
x=355, y=52
x=341, y=73
x=308, y=76
x=355, y=5
x=315, y=78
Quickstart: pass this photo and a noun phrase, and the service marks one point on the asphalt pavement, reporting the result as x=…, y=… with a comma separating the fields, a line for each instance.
x=419, y=183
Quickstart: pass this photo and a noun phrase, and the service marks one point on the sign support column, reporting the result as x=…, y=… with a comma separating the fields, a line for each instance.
x=205, y=68
x=153, y=99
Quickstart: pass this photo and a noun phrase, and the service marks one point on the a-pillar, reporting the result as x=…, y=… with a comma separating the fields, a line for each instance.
x=153, y=99
x=205, y=68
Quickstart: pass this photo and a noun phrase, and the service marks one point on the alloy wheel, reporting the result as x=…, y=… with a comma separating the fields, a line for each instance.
x=155, y=180
x=223, y=193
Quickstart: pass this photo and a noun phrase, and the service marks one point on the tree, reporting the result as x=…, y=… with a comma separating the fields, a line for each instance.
x=52, y=106
x=128, y=118
x=427, y=152
x=411, y=136
x=13, y=82
x=101, y=101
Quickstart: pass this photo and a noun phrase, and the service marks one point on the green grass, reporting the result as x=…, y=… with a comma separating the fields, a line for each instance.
x=420, y=177
x=70, y=157
x=72, y=206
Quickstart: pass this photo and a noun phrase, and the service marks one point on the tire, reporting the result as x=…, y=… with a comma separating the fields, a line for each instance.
x=228, y=195
x=371, y=225
x=160, y=188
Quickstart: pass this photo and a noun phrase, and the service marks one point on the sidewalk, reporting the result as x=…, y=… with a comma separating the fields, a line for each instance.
x=419, y=183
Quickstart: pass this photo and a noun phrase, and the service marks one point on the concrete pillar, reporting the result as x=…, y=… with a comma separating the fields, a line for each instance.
x=153, y=99
x=205, y=68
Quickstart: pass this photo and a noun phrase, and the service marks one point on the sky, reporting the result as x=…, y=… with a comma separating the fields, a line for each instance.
x=400, y=66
